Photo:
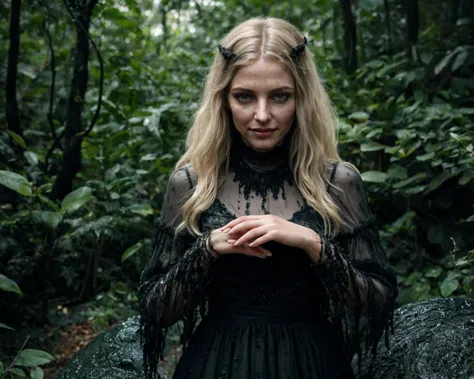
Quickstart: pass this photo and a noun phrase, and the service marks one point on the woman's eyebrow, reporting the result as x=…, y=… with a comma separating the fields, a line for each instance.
x=284, y=88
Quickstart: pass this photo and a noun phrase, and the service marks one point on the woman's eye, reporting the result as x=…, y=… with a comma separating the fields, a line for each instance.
x=243, y=97
x=281, y=97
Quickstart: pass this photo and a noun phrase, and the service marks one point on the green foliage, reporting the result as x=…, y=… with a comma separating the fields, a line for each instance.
x=406, y=120
x=9, y=285
x=26, y=358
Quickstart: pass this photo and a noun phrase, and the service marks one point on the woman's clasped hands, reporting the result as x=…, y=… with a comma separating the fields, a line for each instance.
x=245, y=234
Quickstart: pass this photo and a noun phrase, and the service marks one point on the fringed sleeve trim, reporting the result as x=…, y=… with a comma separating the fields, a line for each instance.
x=358, y=286
x=172, y=287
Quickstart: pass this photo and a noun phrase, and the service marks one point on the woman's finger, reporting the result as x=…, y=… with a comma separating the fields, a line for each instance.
x=244, y=226
x=252, y=251
x=261, y=240
x=238, y=221
x=251, y=235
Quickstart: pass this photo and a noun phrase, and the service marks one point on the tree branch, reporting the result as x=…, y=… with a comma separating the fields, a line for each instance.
x=11, y=105
x=57, y=141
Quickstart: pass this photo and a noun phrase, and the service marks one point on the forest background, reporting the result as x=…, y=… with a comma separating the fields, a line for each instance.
x=99, y=95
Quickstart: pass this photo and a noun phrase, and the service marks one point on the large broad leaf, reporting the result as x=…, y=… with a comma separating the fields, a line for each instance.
x=31, y=157
x=33, y=358
x=374, y=176
x=76, y=199
x=15, y=182
x=132, y=250
x=448, y=286
x=49, y=218
x=412, y=179
x=47, y=201
x=141, y=209
x=37, y=373
x=359, y=116
x=371, y=146
x=9, y=285
x=18, y=372
x=17, y=138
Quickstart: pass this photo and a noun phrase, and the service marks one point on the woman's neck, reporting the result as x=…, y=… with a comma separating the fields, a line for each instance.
x=260, y=160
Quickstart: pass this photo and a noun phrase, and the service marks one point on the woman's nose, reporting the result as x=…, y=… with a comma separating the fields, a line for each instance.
x=262, y=113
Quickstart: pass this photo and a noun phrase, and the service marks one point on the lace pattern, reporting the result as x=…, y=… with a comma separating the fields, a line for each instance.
x=353, y=278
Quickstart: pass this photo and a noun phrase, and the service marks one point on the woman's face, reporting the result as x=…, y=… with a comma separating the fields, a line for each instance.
x=261, y=98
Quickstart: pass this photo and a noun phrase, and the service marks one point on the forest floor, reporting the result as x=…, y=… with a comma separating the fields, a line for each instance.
x=64, y=342
x=70, y=329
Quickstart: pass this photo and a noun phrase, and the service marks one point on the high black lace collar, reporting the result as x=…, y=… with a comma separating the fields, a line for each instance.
x=261, y=161
x=260, y=172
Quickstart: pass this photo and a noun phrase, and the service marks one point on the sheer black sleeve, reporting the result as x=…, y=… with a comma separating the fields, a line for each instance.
x=174, y=280
x=354, y=268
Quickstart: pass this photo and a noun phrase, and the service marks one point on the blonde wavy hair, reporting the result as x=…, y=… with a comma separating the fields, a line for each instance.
x=313, y=141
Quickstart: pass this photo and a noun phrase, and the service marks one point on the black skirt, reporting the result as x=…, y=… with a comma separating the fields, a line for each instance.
x=263, y=342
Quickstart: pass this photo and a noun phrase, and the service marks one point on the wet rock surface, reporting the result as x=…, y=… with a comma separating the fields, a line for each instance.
x=434, y=339
x=114, y=354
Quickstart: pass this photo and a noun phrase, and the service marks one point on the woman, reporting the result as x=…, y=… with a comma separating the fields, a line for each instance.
x=263, y=229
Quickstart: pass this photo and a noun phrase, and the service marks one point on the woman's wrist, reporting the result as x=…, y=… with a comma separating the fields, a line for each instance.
x=314, y=247
x=209, y=246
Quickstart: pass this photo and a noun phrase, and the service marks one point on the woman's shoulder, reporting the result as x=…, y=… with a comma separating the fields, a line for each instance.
x=184, y=178
x=341, y=172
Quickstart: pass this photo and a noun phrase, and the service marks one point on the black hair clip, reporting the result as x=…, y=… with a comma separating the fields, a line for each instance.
x=229, y=55
x=298, y=50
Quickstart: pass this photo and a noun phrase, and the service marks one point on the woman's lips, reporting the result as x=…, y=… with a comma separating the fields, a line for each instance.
x=263, y=132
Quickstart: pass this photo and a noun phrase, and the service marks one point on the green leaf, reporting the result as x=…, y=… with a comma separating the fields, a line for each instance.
x=371, y=146
x=141, y=209
x=148, y=157
x=413, y=278
x=18, y=372
x=76, y=199
x=132, y=250
x=421, y=290
x=3, y=326
x=412, y=179
x=415, y=190
x=37, y=373
x=397, y=172
x=433, y=272
x=445, y=61
x=17, y=138
x=33, y=358
x=15, y=182
x=47, y=201
x=425, y=157
x=438, y=180
x=448, y=286
x=45, y=187
x=31, y=157
x=460, y=59
x=359, y=116
x=374, y=176
x=49, y=218
x=9, y=285
x=2, y=370
x=469, y=219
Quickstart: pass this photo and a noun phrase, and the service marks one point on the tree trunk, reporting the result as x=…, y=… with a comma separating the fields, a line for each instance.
x=389, y=26
x=350, y=37
x=413, y=18
x=72, y=158
x=11, y=105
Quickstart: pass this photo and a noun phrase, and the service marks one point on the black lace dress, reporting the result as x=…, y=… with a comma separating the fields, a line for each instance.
x=274, y=318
